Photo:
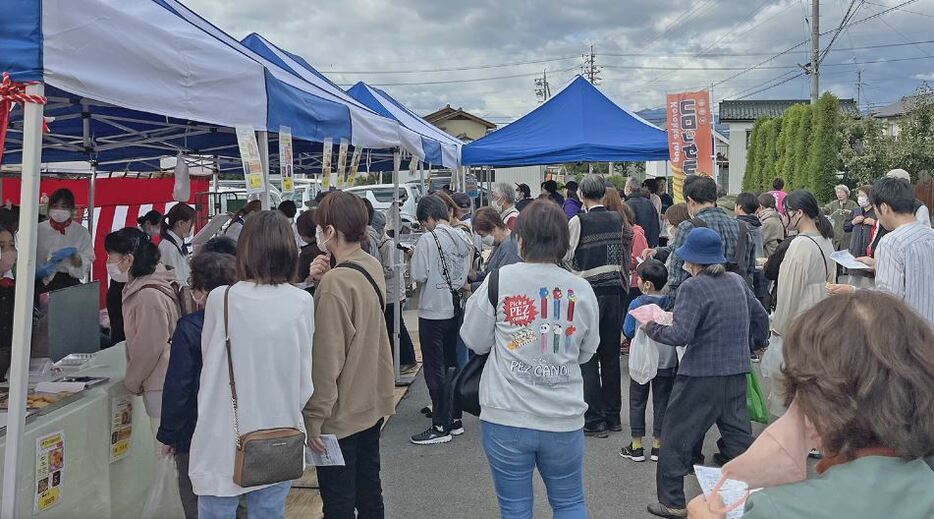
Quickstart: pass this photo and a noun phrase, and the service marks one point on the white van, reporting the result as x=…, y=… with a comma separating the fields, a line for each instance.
x=380, y=195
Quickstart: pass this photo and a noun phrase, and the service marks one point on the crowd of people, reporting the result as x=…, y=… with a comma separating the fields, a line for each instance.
x=284, y=322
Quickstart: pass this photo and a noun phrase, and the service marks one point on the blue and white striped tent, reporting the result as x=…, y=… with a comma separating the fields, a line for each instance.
x=152, y=77
x=434, y=145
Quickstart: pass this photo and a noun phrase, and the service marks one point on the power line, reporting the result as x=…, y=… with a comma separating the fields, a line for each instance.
x=790, y=49
x=773, y=85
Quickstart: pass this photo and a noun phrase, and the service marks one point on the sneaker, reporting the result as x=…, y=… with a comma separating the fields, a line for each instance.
x=815, y=454
x=426, y=411
x=614, y=427
x=596, y=431
x=654, y=454
x=431, y=436
x=664, y=511
x=632, y=453
x=457, y=428
x=754, y=358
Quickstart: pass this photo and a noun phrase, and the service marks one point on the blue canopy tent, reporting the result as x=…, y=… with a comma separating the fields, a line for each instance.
x=579, y=124
x=433, y=145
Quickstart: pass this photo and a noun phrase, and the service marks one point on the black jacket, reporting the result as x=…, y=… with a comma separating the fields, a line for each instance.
x=646, y=217
x=180, y=393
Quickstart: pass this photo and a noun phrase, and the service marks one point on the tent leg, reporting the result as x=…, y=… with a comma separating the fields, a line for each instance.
x=398, y=266
x=92, y=192
x=23, y=301
x=262, y=138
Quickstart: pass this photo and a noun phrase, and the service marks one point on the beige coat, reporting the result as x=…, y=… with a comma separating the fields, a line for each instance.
x=352, y=359
x=803, y=278
x=150, y=312
x=773, y=230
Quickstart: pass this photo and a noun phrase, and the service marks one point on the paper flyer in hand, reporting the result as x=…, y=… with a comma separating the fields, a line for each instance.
x=285, y=159
x=651, y=313
x=847, y=260
x=730, y=492
x=332, y=456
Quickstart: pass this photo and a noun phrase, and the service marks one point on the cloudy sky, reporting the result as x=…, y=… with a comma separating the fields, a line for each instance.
x=483, y=55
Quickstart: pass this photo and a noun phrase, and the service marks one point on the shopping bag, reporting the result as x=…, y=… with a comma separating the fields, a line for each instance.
x=755, y=399
x=643, y=358
x=164, y=500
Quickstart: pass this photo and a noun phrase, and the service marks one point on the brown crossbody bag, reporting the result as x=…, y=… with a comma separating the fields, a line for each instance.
x=265, y=456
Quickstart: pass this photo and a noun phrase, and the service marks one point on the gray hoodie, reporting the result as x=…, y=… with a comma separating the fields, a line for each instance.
x=435, y=297
x=545, y=326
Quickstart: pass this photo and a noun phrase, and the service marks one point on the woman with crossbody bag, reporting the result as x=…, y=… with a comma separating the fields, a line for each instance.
x=352, y=368
x=803, y=275
x=256, y=377
x=440, y=266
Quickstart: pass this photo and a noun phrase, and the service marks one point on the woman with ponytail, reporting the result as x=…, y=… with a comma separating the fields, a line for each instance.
x=150, y=310
x=803, y=275
x=176, y=227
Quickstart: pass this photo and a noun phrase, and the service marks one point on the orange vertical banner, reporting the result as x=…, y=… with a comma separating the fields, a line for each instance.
x=690, y=137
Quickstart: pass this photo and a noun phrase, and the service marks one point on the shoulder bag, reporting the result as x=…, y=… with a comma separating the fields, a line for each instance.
x=264, y=456
x=446, y=273
x=467, y=384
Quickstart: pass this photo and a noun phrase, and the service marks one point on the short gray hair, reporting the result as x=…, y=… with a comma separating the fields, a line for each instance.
x=842, y=187
x=633, y=184
x=505, y=191
x=592, y=187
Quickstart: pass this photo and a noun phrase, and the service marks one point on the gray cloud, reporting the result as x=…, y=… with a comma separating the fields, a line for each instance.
x=391, y=35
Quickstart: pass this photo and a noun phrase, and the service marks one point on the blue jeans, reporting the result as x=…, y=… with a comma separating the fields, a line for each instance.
x=265, y=503
x=514, y=453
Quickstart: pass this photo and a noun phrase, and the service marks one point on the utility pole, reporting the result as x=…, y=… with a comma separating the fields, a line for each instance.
x=542, y=89
x=590, y=70
x=859, y=88
x=815, y=51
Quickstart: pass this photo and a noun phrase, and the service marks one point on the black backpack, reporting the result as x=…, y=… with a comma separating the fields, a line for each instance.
x=740, y=262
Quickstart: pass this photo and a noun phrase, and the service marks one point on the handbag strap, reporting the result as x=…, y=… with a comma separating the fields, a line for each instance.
x=360, y=269
x=444, y=264
x=230, y=370
x=823, y=257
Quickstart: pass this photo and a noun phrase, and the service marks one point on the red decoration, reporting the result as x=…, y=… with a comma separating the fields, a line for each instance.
x=10, y=93
x=520, y=310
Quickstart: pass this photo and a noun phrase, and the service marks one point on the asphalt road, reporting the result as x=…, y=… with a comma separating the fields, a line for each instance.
x=453, y=480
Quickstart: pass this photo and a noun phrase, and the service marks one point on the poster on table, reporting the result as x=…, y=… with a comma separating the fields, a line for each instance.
x=286, y=168
x=326, y=163
x=252, y=164
x=50, y=470
x=690, y=137
x=342, y=162
x=354, y=167
x=121, y=427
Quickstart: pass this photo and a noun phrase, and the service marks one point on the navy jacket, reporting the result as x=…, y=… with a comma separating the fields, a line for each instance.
x=646, y=217
x=180, y=393
x=716, y=317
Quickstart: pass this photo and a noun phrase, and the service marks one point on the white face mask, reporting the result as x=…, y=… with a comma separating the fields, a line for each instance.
x=487, y=240
x=862, y=201
x=320, y=240
x=113, y=270
x=60, y=215
x=496, y=205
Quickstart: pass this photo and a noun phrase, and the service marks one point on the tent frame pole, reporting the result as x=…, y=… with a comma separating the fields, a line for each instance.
x=398, y=267
x=25, y=291
x=262, y=138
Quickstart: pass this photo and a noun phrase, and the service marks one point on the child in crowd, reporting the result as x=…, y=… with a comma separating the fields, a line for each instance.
x=652, y=278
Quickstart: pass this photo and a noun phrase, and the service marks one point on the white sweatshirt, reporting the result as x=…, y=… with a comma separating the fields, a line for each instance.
x=271, y=330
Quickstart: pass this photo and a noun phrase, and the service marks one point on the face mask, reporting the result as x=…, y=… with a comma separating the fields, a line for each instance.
x=487, y=240
x=862, y=201
x=793, y=224
x=777, y=457
x=113, y=270
x=496, y=205
x=60, y=215
x=320, y=240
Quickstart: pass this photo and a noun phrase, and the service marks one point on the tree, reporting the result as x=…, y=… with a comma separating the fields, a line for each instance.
x=914, y=146
x=798, y=179
x=825, y=145
x=866, y=152
x=790, y=130
x=772, y=154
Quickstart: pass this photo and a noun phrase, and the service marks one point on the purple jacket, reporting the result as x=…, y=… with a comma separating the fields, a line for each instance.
x=571, y=207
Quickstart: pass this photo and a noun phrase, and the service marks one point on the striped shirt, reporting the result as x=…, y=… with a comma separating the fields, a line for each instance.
x=905, y=266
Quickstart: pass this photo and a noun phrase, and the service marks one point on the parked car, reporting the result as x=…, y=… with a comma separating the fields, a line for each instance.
x=380, y=195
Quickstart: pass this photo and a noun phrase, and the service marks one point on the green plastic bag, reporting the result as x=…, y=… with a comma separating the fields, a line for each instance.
x=755, y=400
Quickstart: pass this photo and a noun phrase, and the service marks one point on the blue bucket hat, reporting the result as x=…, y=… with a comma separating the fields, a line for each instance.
x=702, y=247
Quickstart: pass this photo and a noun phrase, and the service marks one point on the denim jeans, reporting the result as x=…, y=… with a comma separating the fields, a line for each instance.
x=514, y=452
x=265, y=503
